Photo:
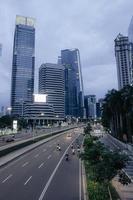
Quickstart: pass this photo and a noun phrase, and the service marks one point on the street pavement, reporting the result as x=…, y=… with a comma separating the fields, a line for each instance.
x=27, y=134
x=43, y=173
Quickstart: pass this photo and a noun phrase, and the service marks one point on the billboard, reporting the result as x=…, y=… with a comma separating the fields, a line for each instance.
x=40, y=98
x=15, y=125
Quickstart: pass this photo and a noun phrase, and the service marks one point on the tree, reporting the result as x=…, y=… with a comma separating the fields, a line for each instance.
x=104, y=164
x=117, y=112
x=87, y=129
x=6, y=121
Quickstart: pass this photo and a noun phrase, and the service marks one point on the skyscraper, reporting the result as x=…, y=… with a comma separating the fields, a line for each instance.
x=90, y=106
x=23, y=64
x=51, y=82
x=74, y=97
x=123, y=54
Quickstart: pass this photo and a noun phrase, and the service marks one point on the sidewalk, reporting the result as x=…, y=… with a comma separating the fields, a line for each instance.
x=125, y=192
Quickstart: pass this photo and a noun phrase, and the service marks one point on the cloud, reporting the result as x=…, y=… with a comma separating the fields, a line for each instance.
x=89, y=25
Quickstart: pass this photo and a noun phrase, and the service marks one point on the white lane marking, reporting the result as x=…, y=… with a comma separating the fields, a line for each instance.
x=7, y=178
x=28, y=180
x=26, y=163
x=53, y=174
x=49, y=156
x=79, y=179
x=36, y=155
x=44, y=150
x=41, y=165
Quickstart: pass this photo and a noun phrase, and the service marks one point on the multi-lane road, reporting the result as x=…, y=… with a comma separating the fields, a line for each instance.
x=43, y=173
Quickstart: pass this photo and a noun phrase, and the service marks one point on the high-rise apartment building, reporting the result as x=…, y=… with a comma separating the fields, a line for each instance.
x=51, y=82
x=74, y=97
x=90, y=106
x=123, y=54
x=23, y=64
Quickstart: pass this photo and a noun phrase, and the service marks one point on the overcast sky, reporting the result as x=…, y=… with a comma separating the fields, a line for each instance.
x=89, y=25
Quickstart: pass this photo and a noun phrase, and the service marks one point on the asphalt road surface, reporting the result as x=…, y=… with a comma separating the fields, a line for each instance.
x=43, y=173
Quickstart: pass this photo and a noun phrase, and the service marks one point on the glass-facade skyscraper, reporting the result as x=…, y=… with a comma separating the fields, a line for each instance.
x=74, y=95
x=51, y=83
x=23, y=64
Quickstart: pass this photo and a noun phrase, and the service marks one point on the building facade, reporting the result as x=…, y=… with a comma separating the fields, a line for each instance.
x=99, y=106
x=74, y=94
x=39, y=111
x=51, y=82
x=90, y=106
x=23, y=64
x=123, y=54
x=130, y=31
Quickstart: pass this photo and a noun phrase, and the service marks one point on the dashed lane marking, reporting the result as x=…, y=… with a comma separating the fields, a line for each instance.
x=7, y=178
x=36, y=155
x=26, y=163
x=49, y=156
x=28, y=180
x=41, y=165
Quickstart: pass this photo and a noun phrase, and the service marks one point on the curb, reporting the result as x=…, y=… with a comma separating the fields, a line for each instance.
x=84, y=182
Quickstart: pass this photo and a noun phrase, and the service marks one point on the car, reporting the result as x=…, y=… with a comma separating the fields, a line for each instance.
x=9, y=138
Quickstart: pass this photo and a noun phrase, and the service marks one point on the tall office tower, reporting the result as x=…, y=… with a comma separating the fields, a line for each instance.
x=123, y=54
x=23, y=64
x=51, y=82
x=90, y=106
x=74, y=96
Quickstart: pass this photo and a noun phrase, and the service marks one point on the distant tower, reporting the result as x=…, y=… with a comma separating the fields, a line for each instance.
x=51, y=82
x=74, y=94
x=90, y=106
x=123, y=54
x=23, y=64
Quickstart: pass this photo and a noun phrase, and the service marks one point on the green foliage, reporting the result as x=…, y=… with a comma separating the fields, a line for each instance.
x=124, y=179
x=6, y=121
x=117, y=112
x=97, y=191
x=104, y=163
x=101, y=166
x=22, y=123
x=87, y=129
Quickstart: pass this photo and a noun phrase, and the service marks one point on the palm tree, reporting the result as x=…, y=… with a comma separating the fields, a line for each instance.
x=118, y=112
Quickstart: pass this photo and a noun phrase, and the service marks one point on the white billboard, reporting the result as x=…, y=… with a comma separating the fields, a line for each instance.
x=15, y=125
x=40, y=98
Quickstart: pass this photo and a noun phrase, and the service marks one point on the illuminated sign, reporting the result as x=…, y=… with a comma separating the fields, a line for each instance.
x=40, y=98
x=25, y=20
x=15, y=125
